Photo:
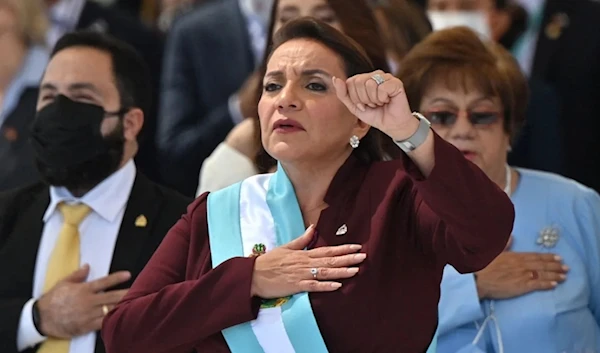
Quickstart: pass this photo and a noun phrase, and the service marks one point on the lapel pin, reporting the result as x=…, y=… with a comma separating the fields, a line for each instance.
x=10, y=134
x=556, y=26
x=548, y=237
x=141, y=221
x=342, y=230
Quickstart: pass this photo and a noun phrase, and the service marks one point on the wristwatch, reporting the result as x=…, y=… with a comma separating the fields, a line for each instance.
x=417, y=139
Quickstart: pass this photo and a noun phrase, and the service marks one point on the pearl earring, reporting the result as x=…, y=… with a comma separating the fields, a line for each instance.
x=354, y=141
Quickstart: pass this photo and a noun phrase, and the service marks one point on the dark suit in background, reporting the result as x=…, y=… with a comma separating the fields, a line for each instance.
x=149, y=44
x=567, y=58
x=21, y=226
x=539, y=144
x=207, y=58
x=16, y=154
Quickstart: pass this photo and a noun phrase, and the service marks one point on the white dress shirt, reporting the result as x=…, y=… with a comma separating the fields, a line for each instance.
x=64, y=17
x=98, y=235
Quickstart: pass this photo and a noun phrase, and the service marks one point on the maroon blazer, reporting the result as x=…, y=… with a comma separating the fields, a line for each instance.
x=409, y=226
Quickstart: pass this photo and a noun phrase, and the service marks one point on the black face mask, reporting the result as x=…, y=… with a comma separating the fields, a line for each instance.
x=69, y=148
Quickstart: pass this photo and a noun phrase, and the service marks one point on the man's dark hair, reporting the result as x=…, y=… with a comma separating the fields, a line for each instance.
x=131, y=74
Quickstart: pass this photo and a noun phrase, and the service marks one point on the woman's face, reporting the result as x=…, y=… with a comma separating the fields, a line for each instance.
x=11, y=39
x=470, y=121
x=288, y=10
x=300, y=115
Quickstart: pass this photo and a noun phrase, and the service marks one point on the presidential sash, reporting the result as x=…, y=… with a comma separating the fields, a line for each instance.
x=252, y=217
x=245, y=219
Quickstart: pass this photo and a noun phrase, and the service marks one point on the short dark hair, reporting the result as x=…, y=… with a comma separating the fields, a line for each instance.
x=131, y=74
x=355, y=61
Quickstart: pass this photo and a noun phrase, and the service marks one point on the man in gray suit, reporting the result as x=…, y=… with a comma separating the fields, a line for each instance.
x=208, y=82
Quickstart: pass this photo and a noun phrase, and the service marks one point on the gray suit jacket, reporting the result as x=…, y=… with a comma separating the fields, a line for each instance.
x=207, y=58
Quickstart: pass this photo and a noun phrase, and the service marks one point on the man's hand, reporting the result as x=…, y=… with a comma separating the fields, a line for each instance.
x=73, y=307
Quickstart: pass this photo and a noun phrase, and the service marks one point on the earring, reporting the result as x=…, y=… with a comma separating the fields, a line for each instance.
x=354, y=141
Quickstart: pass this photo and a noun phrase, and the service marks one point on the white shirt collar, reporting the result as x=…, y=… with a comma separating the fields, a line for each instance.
x=106, y=199
x=66, y=13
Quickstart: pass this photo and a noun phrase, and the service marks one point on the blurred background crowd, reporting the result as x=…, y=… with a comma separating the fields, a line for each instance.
x=204, y=55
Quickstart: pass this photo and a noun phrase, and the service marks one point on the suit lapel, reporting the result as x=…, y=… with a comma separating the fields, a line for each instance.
x=239, y=25
x=141, y=212
x=23, y=243
x=548, y=43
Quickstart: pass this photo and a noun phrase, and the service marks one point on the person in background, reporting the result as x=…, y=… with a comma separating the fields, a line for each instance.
x=208, y=83
x=402, y=25
x=561, y=48
x=500, y=20
x=75, y=15
x=241, y=154
x=23, y=28
x=74, y=244
x=385, y=229
x=171, y=10
x=539, y=144
x=542, y=294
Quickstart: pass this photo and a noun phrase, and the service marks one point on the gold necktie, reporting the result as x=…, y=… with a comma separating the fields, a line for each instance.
x=63, y=261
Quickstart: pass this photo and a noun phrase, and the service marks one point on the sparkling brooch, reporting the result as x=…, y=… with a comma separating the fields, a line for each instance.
x=548, y=237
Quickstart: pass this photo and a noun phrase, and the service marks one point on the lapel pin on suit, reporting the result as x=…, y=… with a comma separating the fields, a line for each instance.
x=141, y=221
x=10, y=134
x=557, y=24
x=342, y=230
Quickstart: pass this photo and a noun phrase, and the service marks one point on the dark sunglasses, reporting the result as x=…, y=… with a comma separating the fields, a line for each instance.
x=447, y=118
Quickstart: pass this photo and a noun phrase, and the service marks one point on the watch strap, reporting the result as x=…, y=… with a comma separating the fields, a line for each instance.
x=417, y=139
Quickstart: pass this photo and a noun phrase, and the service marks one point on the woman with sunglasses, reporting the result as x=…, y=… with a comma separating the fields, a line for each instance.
x=542, y=294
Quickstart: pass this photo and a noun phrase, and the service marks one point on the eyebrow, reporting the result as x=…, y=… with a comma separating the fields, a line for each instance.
x=321, y=8
x=448, y=101
x=309, y=72
x=72, y=87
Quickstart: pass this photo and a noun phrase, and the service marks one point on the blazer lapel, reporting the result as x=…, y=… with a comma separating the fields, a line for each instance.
x=141, y=211
x=554, y=25
x=22, y=246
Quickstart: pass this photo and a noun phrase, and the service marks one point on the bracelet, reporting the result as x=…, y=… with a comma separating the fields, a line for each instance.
x=35, y=313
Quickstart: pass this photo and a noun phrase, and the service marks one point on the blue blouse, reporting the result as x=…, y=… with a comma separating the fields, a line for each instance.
x=553, y=215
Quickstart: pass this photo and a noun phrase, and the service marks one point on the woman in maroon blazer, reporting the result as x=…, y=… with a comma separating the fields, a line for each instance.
x=235, y=273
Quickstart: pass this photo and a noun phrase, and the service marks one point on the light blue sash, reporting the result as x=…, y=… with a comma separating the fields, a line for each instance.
x=226, y=242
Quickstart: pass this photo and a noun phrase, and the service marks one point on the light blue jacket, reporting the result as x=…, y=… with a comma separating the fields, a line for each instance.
x=565, y=319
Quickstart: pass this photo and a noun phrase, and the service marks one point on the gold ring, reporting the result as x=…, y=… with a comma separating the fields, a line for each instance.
x=104, y=309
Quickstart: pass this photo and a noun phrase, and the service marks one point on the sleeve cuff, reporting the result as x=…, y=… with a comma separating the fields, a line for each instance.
x=233, y=105
x=27, y=334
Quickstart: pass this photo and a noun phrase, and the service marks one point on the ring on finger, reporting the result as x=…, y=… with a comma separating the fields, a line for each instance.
x=378, y=79
x=104, y=309
x=314, y=272
x=535, y=274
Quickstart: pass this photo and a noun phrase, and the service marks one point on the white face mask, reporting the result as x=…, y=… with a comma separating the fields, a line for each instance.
x=475, y=20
